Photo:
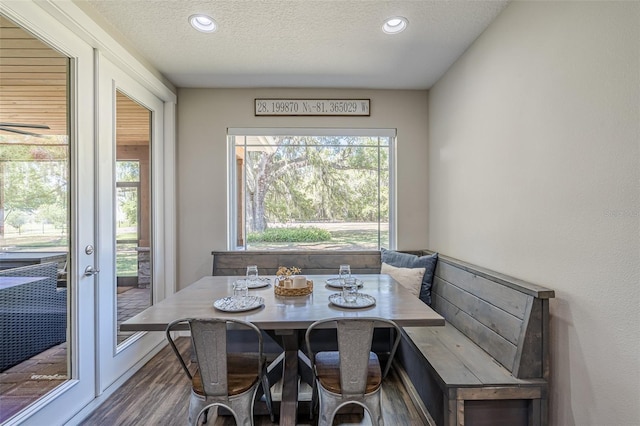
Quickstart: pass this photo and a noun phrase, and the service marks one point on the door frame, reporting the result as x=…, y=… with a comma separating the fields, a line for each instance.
x=116, y=360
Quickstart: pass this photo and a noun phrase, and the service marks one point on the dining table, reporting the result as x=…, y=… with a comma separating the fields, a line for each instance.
x=289, y=316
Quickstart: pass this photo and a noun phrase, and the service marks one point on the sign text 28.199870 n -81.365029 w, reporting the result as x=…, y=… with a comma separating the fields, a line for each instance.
x=354, y=107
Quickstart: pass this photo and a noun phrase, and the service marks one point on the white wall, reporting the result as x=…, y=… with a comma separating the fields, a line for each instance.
x=203, y=118
x=534, y=172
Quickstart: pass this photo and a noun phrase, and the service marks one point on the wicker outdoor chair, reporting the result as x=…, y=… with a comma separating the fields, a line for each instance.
x=33, y=316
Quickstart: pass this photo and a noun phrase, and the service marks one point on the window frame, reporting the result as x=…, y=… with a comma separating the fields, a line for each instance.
x=232, y=183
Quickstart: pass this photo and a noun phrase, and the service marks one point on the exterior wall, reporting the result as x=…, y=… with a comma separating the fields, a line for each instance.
x=534, y=171
x=203, y=118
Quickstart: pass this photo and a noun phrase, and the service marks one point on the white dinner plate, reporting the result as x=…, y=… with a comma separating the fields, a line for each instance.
x=362, y=301
x=337, y=282
x=259, y=283
x=229, y=304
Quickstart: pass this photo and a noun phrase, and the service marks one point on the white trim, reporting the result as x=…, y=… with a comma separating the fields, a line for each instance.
x=393, y=194
x=306, y=131
x=115, y=359
x=80, y=23
x=170, y=201
x=232, y=195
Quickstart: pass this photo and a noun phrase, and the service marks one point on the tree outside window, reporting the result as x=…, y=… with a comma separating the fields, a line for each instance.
x=312, y=192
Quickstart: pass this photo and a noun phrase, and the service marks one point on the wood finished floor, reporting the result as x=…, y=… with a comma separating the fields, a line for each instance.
x=158, y=394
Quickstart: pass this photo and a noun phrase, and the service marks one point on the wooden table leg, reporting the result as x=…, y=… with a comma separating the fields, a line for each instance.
x=289, y=403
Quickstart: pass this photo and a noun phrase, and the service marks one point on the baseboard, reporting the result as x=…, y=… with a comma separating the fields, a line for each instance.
x=413, y=394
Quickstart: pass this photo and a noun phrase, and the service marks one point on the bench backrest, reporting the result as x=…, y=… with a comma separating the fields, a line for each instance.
x=508, y=318
x=312, y=262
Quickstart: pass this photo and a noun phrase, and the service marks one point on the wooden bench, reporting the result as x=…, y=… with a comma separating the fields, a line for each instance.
x=489, y=365
x=311, y=262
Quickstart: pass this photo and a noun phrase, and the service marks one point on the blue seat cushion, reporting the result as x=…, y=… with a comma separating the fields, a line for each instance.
x=406, y=260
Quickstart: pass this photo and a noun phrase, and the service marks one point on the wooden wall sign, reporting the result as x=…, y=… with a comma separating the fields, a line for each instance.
x=310, y=107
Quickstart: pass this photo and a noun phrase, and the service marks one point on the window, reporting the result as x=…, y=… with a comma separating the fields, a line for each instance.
x=311, y=189
x=128, y=218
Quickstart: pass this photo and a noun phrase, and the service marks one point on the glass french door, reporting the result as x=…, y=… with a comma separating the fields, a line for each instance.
x=47, y=205
x=130, y=135
x=73, y=189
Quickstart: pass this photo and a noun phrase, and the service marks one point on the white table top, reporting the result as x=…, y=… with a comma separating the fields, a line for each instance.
x=393, y=302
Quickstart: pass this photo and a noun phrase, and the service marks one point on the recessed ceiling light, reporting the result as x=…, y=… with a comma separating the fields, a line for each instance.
x=395, y=25
x=203, y=23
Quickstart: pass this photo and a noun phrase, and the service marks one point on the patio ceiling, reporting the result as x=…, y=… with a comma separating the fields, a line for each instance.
x=33, y=89
x=32, y=81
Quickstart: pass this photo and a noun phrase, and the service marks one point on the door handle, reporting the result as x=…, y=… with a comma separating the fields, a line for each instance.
x=89, y=271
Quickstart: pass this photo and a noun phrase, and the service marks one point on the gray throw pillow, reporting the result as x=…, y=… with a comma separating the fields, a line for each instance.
x=405, y=260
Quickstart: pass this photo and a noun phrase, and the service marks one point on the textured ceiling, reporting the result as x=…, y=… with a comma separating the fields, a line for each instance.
x=298, y=43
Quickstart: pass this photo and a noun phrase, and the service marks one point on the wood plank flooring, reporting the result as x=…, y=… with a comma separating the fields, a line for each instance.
x=158, y=394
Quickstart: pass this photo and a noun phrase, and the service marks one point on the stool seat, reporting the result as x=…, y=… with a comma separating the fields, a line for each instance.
x=328, y=371
x=243, y=372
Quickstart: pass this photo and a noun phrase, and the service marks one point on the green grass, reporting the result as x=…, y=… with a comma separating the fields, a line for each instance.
x=38, y=244
x=34, y=238
x=340, y=240
x=294, y=235
x=126, y=259
x=126, y=264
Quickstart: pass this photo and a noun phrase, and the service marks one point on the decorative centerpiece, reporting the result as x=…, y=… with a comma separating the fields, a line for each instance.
x=288, y=283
